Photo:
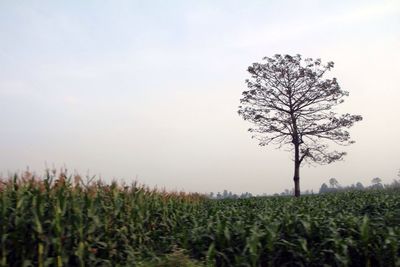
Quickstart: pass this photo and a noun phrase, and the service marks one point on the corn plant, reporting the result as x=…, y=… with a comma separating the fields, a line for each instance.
x=64, y=221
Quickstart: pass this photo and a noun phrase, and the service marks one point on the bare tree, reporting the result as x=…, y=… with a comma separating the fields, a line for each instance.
x=290, y=102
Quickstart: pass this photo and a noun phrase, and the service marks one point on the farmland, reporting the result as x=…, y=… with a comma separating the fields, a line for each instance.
x=61, y=221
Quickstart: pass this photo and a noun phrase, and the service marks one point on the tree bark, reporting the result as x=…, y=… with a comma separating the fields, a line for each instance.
x=296, y=176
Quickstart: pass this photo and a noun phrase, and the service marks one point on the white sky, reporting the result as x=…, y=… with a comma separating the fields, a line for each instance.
x=150, y=89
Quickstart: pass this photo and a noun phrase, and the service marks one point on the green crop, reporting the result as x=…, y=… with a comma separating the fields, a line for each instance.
x=60, y=222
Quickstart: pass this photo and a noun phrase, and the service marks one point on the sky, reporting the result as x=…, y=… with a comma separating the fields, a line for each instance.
x=149, y=90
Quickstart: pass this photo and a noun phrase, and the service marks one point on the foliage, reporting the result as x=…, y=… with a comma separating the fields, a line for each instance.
x=60, y=222
x=333, y=182
x=376, y=185
x=376, y=181
x=291, y=102
x=176, y=258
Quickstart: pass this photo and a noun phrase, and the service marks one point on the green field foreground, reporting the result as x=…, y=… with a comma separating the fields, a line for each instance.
x=64, y=222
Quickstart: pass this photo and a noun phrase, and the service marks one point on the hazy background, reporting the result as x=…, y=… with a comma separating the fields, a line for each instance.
x=150, y=89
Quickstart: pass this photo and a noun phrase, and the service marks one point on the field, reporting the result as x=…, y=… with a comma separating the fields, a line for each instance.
x=60, y=221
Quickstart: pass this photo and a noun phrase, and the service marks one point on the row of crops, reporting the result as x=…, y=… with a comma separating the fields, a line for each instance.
x=64, y=222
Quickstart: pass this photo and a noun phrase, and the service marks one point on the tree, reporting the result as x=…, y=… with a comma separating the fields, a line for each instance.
x=333, y=182
x=376, y=182
x=324, y=188
x=359, y=186
x=290, y=103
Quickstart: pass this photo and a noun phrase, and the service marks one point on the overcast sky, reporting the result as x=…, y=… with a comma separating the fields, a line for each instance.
x=150, y=89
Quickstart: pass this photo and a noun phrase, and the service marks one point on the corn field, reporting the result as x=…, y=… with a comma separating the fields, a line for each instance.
x=60, y=221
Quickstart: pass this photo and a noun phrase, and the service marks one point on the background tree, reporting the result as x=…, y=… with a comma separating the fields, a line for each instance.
x=333, y=182
x=376, y=183
x=359, y=186
x=324, y=188
x=290, y=102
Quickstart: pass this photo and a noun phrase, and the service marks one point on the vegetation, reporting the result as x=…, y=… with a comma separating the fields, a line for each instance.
x=65, y=222
x=290, y=102
x=376, y=184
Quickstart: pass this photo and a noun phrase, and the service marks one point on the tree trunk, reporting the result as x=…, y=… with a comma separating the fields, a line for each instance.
x=296, y=176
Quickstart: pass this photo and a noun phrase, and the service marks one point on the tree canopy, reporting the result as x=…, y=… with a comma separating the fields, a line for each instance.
x=290, y=102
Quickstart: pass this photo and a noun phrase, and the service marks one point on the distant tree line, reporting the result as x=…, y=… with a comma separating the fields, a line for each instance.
x=376, y=183
x=332, y=186
x=229, y=195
